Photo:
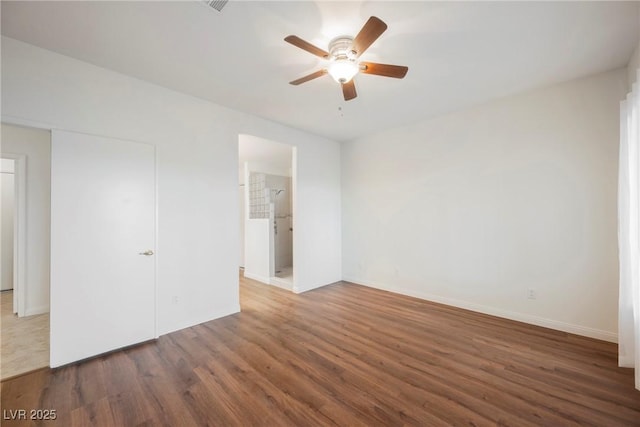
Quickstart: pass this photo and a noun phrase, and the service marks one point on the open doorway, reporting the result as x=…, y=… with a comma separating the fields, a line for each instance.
x=8, y=206
x=25, y=205
x=267, y=189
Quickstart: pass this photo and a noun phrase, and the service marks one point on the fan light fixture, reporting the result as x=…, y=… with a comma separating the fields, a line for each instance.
x=342, y=57
x=343, y=70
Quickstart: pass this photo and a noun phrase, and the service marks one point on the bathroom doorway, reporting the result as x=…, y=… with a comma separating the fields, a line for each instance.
x=267, y=214
x=25, y=288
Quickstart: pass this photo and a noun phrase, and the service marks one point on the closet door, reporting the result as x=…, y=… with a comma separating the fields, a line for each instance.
x=103, y=225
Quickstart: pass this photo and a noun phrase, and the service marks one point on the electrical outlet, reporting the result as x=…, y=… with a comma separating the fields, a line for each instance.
x=531, y=293
x=175, y=300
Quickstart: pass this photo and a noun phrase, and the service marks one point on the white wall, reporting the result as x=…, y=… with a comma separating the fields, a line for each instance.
x=197, y=148
x=474, y=208
x=7, y=165
x=7, y=206
x=36, y=145
x=316, y=245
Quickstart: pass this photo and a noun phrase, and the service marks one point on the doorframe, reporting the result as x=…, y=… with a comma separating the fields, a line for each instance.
x=294, y=217
x=293, y=175
x=19, y=231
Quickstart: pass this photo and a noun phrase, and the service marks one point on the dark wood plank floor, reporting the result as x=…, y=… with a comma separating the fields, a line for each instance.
x=340, y=355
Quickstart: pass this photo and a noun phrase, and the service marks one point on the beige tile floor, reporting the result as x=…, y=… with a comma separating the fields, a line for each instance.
x=24, y=341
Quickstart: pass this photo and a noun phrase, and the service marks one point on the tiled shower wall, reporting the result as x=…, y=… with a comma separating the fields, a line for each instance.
x=258, y=196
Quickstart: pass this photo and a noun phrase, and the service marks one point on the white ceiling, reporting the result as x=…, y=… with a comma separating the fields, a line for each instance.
x=458, y=53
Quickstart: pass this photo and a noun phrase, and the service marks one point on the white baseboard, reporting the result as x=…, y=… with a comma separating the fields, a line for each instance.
x=282, y=284
x=273, y=281
x=212, y=316
x=298, y=290
x=263, y=279
x=493, y=311
x=32, y=311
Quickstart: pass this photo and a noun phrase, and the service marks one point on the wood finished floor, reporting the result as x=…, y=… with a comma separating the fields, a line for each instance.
x=24, y=341
x=341, y=355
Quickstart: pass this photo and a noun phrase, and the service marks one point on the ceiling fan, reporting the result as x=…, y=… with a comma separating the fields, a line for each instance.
x=343, y=55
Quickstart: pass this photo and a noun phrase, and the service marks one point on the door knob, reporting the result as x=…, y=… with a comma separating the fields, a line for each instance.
x=148, y=252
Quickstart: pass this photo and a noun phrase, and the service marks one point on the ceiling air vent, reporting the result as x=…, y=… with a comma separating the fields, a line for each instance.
x=216, y=4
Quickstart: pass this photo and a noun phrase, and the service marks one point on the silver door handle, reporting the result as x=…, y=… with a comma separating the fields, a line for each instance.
x=148, y=252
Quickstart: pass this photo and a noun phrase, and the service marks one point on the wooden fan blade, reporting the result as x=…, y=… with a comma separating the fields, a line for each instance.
x=372, y=29
x=298, y=42
x=349, y=90
x=396, y=71
x=306, y=78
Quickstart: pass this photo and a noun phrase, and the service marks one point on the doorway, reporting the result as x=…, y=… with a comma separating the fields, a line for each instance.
x=24, y=299
x=7, y=204
x=267, y=208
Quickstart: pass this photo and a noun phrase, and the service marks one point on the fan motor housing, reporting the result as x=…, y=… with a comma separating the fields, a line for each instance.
x=342, y=48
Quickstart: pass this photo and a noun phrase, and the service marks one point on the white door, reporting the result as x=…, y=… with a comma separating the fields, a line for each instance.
x=102, y=224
